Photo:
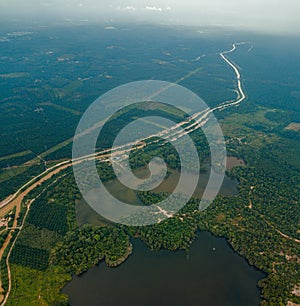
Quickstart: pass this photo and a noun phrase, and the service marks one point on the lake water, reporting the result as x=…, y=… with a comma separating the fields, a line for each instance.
x=85, y=214
x=204, y=277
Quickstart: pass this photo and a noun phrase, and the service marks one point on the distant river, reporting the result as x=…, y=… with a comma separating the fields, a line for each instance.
x=205, y=277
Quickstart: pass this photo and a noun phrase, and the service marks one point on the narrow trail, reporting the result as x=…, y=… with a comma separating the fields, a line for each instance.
x=199, y=119
x=191, y=124
x=16, y=238
x=279, y=232
x=250, y=206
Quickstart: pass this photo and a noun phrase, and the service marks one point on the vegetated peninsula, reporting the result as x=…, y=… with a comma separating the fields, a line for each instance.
x=41, y=238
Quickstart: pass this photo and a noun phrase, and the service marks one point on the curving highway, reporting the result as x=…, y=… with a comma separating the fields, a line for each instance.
x=191, y=124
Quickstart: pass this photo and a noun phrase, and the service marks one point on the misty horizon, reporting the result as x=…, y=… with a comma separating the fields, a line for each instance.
x=268, y=16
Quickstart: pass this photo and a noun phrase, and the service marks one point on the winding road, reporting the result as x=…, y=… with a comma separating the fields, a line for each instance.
x=191, y=124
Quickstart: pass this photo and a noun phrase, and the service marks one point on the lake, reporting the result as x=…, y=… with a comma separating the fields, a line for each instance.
x=211, y=274
x=85, y=214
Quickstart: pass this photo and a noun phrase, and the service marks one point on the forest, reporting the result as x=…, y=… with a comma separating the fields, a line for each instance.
x=261, y=223
x=253, y=222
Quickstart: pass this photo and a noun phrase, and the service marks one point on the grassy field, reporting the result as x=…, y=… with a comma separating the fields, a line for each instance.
x=35, y=288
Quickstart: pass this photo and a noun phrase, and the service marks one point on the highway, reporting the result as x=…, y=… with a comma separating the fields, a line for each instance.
x=187, y=126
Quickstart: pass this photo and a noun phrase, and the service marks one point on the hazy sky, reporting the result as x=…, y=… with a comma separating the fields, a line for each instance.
x=265, y=15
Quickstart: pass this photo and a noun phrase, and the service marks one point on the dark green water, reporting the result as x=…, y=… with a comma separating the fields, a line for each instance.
x=204, y=277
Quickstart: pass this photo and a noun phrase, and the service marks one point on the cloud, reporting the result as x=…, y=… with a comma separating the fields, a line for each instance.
x=267, y=15
x=110, y=28
x=154, y=8
x=151, y=8
x=129, y=8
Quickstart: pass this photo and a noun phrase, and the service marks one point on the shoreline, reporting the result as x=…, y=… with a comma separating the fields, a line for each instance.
x=142, y=252
x=27, y=187
x=118, y=262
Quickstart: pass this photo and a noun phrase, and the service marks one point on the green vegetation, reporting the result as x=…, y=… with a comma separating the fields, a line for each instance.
x=6, y=163
x=42, y=238
x=14, y=181
x=85, y=247
x=15, y=159
x=32, y=287
x=259, y=243
x=30, y=257
x=3, y=237
x=173, y=234
x=261, y=223
x=24, y=153
x=53, y=248
x=254, y=222
x=59, y=107
x=48, y=215
x=3, y=265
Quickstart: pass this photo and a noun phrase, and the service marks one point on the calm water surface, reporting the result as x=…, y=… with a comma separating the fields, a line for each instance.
x=210, y=275
x=204, y=277
x=85, y=214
